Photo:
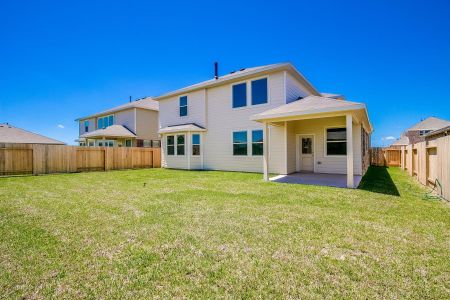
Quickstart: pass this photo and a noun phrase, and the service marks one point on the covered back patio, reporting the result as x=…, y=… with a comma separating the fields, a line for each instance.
x=111, y=136
x=325, y=141
x=324, y=179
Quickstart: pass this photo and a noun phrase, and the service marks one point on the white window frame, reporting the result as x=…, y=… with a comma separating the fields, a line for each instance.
x=199, y=144
x=251, y=142
x=248, y=83
x=106, y=117
x=424, y=132
x=326, y=141
x=232, y=143
x=106, y=141
x=176, y=144
x=187, y=106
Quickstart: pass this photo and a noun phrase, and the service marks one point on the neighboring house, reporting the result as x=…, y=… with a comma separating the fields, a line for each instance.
x=263, y=119
x=435, y=134
x=13, y=135
x=402, y=141
x=134, y=124
x=416, y=134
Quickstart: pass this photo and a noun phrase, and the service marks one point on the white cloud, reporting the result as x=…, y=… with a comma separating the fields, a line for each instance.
x=390, y=138
x=60, y=126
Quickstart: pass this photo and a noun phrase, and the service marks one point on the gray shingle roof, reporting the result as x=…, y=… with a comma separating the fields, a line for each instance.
x=145, y=103
x=308, y=105
x=11, y=134
x=402, y=141
x=110, y=131
x=240, y=74
x=431, y=123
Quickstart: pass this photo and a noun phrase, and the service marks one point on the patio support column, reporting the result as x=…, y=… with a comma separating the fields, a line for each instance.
x=266, y=151
x=349, y=125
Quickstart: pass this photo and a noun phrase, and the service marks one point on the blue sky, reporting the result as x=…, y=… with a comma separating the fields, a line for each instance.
x=60, y=60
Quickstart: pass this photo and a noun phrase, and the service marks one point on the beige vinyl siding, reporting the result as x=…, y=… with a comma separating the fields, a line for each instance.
x=330, y=164
x=169, y=112
x=294, y=89
x=147, y=124
x=223, y=120
x=277, y=150
x=92, y=126
x=125, y=118
x=196, y=161
x=291, y=148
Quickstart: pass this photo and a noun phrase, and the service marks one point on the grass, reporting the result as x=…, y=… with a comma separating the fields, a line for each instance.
x=165, y=233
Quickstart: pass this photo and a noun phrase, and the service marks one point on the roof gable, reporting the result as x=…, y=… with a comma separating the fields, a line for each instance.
x=431, y=123
x=242, y=74
x=145, y=103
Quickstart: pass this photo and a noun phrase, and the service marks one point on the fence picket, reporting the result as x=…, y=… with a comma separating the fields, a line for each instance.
x=36, y=159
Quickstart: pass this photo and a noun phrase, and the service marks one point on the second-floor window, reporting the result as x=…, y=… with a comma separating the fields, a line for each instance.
x=103, y=122
x=183, y=106
x=258, y=93
x=86, y=126
x=240, y=95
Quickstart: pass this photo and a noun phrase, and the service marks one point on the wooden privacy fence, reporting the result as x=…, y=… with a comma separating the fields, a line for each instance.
x=18, y=159
x=429, y=163
x=385, y=157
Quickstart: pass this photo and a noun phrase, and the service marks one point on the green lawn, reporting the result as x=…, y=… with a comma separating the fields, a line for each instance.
x=165, y=233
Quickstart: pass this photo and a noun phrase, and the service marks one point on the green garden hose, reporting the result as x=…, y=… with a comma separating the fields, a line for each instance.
x=430, y=195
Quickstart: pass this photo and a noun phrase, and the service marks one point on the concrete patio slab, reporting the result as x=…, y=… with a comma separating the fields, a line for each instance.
x=335, y=180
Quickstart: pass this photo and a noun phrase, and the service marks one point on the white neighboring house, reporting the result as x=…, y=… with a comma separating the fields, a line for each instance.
x=134, y=124
x=267, y=119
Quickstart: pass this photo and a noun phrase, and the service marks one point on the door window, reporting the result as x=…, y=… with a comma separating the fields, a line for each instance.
x=306, y=145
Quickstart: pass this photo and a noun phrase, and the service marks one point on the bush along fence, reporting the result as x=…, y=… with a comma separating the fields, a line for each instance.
x=429, y=163
x=17, y=159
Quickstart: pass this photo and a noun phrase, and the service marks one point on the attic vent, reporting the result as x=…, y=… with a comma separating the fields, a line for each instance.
x=300, y=98
x=232, y=72
x=242, y=69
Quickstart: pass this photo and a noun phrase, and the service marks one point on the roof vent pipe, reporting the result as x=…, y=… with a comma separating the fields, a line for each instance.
x=216, y=70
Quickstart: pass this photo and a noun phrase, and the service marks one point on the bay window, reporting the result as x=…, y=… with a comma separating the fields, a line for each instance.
x=170, y=145
x=180, y=144
x=196, y=144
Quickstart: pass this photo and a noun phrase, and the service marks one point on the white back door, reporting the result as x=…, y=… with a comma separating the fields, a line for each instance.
x=306, y=153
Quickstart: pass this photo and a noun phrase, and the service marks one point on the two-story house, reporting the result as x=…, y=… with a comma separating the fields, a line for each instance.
x=134, y=124
x=417, y=132
x=267, y=119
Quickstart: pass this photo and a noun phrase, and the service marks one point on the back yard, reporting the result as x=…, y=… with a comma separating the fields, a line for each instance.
x=167, y=233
